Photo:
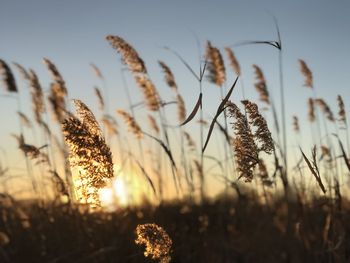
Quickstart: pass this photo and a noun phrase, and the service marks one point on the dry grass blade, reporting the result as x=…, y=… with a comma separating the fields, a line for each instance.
x=220, y=109
x=194, y=111
x=7, y=76
x=129, y=55
x=345, y=157
x=60, y=186
x=314, y=170
x=185, y=63
x=148, y=178
x=225, y=133
x=165, y=148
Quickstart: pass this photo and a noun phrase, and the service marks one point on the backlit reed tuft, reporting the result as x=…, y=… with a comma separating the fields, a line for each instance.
x=341, y=111
x=132, y=124
x=325, y=109
x=156, y=241
x=153, y=124
x=261, y=132
x=311, y=110
x=246, y=151
x=128, y=53
x=7, y=77
x=149, y=91
x=260, y=85
x=169, y=77
x=88, y=152
x=295, y=123
x=308, y=82
x=37, y=96
x=233, y=61
x=215, y=65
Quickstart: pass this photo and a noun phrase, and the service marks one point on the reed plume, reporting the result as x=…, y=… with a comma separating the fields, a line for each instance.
x=296, y=126
x=341, y=111
x=99, y=96
x=308, y=82
x=88, y=152
x=24, y=120
x=233, y=61
x=311, y=110
x=156, y=241
x=190, y=142
x=111, y=125
x=153, y=124
x=96, y=71
x=181, y=108
x=132, y=124
x=149, y=91
x=37, y=96
x=57, y=100
x=262, y=133
x=260, y=85
x=215, y=65
x=22, y=71
x=169, y=76
x=325, y=109
x=7, y=77
x=28, y=150
x=56, y=75
x=128, y=53
x=246, y=150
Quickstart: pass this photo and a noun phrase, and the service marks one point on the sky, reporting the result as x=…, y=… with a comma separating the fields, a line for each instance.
x=72, y=35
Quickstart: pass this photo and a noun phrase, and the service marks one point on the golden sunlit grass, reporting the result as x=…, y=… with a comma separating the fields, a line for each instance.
x=100, y=188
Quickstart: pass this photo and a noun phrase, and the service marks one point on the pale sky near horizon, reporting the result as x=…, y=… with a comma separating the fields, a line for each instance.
x=72, y=34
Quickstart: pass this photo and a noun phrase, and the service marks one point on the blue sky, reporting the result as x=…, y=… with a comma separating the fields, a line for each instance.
x=72, y=34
